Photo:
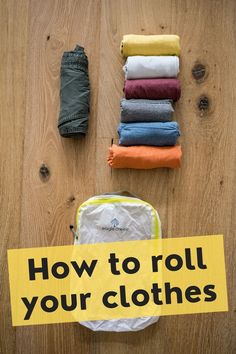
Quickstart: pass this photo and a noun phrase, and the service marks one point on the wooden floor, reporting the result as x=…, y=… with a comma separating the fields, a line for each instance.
x=198, y=199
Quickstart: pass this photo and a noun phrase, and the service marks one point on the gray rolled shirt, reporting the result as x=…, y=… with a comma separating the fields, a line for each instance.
x=142, y=110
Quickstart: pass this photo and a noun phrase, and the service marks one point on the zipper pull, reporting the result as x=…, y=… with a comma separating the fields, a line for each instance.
x=74, y=232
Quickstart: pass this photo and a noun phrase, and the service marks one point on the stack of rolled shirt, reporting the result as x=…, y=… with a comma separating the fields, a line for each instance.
x=148, y=136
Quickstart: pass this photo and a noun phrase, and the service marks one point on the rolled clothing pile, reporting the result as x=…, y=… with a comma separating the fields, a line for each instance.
x=74, y=94
x=146, y=132
x=152, y=57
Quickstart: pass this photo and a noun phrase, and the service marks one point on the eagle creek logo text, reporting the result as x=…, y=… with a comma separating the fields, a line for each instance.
x=114, y=226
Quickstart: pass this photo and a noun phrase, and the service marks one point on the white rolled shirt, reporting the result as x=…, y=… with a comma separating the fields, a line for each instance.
x=146, y=67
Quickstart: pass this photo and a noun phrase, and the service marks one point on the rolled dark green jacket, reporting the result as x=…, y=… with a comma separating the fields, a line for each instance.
x=142, y=110
x=74, y=93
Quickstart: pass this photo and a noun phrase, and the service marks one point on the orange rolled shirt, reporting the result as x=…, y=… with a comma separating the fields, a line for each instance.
x=144, y=157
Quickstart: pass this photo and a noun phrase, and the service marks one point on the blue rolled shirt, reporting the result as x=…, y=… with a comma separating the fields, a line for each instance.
x=152, y=133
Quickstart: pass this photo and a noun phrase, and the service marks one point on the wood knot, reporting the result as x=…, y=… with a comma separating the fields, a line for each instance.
x=203, y=104
x=199, y=72
x=48, y=37
x=44, y=173
x=70, y=201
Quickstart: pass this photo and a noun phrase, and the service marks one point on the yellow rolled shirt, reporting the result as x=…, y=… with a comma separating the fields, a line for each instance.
x=164, y=44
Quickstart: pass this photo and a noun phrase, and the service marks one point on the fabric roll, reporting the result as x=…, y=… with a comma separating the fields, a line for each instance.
x=164, y=44
x=157, y=133
x=74, y=94
x=141, y=67
x=144, y=157
x=154, y=89
x=146, y=110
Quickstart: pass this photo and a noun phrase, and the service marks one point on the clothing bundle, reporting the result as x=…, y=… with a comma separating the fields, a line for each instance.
x=147, y=134
x=74, y=93
x=166, y=44
x=146, y=110
x=154, y=89
x=144, y=157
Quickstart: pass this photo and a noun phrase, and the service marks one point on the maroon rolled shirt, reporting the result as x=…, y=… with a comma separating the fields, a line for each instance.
x=153, y=89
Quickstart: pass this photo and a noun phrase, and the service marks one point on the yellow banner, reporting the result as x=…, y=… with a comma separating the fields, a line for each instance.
x=117, y=280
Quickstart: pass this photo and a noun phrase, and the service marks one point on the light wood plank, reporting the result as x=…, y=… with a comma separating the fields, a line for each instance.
x=13, y=29
x=48, y=208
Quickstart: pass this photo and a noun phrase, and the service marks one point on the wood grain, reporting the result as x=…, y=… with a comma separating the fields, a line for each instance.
x=13, y=44
x=37, y=208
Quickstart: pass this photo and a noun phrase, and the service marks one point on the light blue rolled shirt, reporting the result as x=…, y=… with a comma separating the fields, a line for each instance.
x=152, y=133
